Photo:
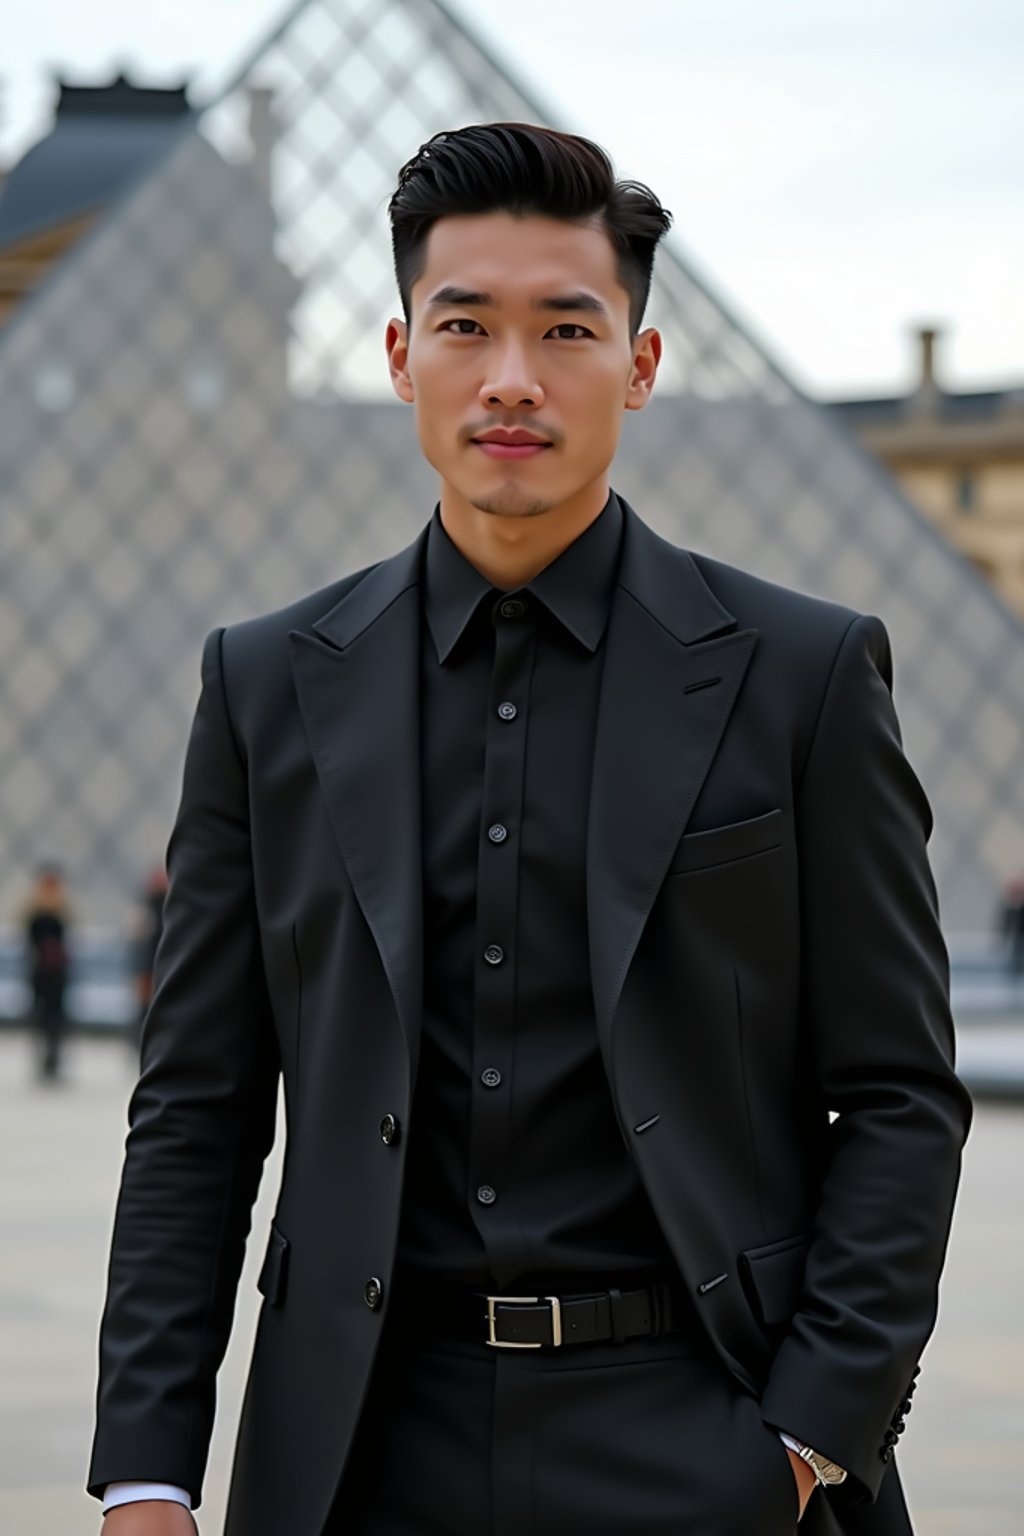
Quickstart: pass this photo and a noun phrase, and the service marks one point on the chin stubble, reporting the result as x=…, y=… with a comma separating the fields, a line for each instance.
x=497, y=506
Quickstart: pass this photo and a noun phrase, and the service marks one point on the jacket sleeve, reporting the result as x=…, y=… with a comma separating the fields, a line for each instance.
x=201, y=1123
x=876, y=1022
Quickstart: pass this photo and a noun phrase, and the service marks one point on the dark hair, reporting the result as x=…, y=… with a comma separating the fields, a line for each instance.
x=521, y=168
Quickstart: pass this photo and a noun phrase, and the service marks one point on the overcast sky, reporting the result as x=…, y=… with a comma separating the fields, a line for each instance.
x=839, y=170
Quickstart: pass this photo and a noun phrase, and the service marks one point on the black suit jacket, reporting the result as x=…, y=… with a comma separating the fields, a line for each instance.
x=770, y=988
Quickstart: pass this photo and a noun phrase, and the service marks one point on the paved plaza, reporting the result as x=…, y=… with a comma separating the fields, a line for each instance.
x=60, y=1150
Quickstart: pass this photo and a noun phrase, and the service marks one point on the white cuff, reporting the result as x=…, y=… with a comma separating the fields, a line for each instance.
x=790, y=1443
x=133, y=1493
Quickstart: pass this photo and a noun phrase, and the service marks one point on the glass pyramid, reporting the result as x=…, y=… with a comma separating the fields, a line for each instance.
x=197, y=426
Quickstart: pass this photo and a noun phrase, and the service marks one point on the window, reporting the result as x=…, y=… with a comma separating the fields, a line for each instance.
x=204, y=386
x=966, y=489
x=54, y=387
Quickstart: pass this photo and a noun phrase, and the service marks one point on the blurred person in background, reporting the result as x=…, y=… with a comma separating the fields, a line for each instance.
x=577, y=886
x=1011, y=924
x=146, y=931
x=47, y=923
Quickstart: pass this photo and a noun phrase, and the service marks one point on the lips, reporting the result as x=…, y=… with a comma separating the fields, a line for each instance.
x=515, y=439
x=514, y=444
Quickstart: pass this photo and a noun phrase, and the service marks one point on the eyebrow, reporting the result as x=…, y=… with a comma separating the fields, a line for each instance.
x=468, y=298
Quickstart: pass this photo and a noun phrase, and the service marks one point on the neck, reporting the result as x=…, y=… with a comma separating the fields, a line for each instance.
x=509, y=550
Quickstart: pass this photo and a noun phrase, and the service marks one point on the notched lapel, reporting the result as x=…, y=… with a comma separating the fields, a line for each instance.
x=358, y=690
x=671, y=679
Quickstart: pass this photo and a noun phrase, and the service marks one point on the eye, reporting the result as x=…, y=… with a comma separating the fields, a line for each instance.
x=463, y=320
x=568, y=326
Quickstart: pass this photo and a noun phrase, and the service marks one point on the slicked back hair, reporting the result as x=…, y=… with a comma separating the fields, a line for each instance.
x=520, y=168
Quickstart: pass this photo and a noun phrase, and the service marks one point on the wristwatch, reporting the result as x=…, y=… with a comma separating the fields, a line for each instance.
x=826, y=1472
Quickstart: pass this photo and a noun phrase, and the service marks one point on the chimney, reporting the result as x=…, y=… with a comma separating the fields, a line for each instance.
x=925, y=397
x=262, y=133
x=927, y=336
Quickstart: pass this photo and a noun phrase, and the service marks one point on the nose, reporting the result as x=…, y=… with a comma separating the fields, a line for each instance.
x=510, y=381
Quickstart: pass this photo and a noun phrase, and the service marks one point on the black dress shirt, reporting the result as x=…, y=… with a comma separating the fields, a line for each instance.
x=517, y=1173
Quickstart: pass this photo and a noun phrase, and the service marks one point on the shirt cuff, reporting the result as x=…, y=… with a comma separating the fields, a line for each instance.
x=133, y=1493
x=790, y=1443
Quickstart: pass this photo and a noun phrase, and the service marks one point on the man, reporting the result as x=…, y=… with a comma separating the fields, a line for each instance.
x=577, y=887
x=47, y=922
x=1011, y=922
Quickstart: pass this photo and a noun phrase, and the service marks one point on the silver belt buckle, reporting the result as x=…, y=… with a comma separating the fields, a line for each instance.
x=525, y=1301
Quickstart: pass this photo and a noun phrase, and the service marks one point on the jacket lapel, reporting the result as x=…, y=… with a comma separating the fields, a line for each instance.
x=673, y=669
x=357, y=680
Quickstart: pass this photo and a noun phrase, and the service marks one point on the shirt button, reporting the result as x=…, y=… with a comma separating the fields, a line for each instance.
x=490, y=1077
x=390, y=1130
x=507, y=711
x=486, y=1195
x=373, y=1293
x=497, y=833
x=494, y=954
x=513, y=608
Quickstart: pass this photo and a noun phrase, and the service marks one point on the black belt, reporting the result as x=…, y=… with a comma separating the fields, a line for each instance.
x=537, y=1322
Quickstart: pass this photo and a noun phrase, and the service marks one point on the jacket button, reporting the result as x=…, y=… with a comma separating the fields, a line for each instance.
x=886, y=1453
x=891, y=1437
x=373, y=1293
x=390, y=1130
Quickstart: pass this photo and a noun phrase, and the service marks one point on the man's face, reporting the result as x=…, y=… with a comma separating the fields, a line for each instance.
x=520, y=324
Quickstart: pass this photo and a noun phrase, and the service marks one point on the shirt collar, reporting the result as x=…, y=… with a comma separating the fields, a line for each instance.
x=576, y=587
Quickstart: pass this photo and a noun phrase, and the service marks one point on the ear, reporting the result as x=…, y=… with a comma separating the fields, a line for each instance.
x=646, y=356
x=396, y=343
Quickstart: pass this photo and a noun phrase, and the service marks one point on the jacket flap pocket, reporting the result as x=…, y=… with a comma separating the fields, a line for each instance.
x=773, y=1277
x=720, y=845
x=274, y=1273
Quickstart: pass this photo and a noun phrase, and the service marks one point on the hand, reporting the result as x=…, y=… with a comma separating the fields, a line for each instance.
x=806, y=1482
x=149, y=1517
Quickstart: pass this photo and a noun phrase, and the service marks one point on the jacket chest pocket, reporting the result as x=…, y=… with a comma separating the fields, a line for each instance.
x=727, y=844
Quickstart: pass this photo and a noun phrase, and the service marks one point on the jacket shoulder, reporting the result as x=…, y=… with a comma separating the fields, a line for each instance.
x=302, y=613
x=778, y=611
x=800, y=636
x=258, y=645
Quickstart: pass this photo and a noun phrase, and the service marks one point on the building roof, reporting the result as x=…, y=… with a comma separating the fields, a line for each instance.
x=976, y=405
x=102, y=139
x=928, y=402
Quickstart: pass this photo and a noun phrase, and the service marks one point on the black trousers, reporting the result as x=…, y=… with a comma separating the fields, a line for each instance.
x=51, y=1028
x=651, y=1436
